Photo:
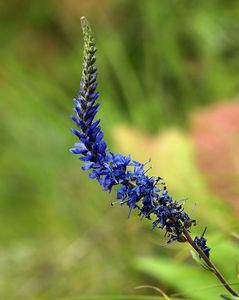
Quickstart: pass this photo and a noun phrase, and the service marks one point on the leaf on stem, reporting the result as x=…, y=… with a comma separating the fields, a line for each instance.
x=198, y=260
x=229, y=297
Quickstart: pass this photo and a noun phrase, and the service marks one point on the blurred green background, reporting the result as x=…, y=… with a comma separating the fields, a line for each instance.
x=165, y=69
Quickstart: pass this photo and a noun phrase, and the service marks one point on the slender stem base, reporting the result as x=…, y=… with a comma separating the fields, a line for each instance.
x=210, y=264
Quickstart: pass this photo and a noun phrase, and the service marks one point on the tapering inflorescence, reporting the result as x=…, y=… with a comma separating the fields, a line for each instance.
x=137, y=190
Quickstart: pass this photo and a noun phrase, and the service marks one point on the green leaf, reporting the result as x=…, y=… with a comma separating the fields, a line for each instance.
x=196, y=257
x=186, y=280
x=229, y=297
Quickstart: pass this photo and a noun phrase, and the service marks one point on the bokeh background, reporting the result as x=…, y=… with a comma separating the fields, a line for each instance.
x=169, y=83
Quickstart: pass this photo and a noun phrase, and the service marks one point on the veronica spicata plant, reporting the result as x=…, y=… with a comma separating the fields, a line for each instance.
x=147, y=195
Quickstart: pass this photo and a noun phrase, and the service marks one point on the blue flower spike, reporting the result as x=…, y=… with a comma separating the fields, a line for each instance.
x=147, y=195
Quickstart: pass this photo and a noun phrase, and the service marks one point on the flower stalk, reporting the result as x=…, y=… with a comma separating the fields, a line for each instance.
x=147, y=195
x=209, y=263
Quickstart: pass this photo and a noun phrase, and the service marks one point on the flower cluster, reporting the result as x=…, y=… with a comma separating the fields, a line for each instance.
x=91, y=147
x=135, y=189
x=201, y=243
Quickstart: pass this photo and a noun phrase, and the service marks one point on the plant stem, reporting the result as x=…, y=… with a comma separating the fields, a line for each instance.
x=205, y=258
x=210, y=264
